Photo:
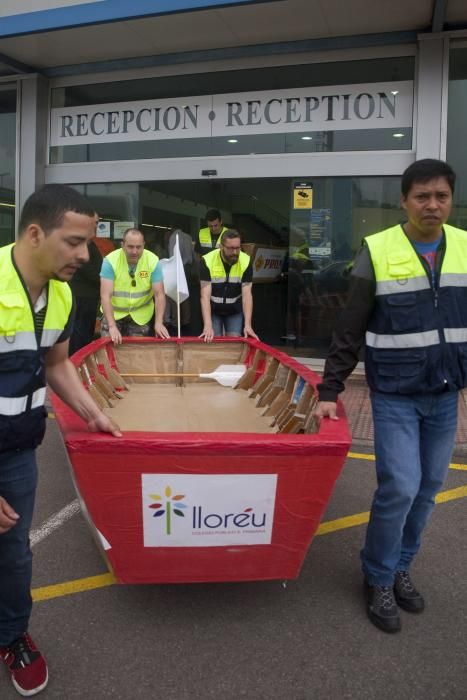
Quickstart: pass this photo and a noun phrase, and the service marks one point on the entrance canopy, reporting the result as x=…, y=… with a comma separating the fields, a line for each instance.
x=72, y=37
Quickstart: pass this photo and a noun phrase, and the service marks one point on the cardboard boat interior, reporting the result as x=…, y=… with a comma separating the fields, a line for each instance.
x=271, y=396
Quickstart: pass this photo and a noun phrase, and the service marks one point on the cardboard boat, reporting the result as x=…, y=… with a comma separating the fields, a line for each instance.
x=208, y=482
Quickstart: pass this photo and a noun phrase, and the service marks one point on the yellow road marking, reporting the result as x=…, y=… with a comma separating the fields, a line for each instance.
x=59, y=590
x=371, y=458
x=362, y=455
x=343, y=523
x=70, y=587
x=461, y=467
x=362, y=518
x=451, y=495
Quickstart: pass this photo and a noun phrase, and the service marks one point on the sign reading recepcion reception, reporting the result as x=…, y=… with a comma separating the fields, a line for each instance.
x=339, y=107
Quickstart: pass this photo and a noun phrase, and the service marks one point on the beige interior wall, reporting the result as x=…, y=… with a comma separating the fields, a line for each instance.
x=160, y=358
x=202, y=408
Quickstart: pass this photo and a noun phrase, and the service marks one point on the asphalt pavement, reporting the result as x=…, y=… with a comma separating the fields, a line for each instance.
x=310, y=640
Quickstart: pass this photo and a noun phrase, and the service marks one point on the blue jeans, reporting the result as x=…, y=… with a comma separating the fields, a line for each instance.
x=414, y=440
x=18, y=480
x=232, y=325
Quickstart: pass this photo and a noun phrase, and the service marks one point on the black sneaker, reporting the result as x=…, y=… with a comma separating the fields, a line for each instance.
x=381, y=608
x=407, y=596
x=27, y=666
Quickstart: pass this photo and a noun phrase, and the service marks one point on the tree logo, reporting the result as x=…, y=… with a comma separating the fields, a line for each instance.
x=172, y=504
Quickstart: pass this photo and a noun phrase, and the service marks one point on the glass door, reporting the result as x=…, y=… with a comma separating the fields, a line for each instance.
x=301, y=233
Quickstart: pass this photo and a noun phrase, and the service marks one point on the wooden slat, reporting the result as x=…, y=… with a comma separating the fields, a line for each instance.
x=113, y=376
x=105, y=387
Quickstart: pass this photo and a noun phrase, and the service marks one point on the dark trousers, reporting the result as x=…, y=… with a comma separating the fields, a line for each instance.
x=18, y=480
x=85, y=321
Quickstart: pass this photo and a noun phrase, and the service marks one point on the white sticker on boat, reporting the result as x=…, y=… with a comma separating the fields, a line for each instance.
x=206, y=510
x=105, y=542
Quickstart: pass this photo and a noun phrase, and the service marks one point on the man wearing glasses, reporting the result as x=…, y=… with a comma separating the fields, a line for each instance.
x=226, y=276
x=131, y=286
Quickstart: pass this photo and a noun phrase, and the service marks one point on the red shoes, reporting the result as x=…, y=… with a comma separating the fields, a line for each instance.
x=26, y=664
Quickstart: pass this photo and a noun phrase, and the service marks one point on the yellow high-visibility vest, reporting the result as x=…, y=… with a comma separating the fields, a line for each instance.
x=205, y=239
x=135, y=300
x=225, y=291
x=22, y=354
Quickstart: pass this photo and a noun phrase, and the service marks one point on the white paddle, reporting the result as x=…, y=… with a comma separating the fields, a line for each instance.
x=227, y=375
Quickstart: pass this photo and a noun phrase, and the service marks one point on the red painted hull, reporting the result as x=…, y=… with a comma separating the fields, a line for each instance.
x=108, y=476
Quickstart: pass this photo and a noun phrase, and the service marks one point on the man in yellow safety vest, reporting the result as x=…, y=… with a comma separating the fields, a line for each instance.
x=226, y=276
x=36, y=318
x=131, y=286
x=209, y=236
x=408, y=305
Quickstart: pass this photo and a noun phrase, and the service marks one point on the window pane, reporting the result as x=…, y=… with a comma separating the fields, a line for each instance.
x=7, y=164
x=457, y=131
x=301, y=256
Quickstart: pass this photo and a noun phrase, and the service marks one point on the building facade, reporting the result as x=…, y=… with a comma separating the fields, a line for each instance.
x=294, y=121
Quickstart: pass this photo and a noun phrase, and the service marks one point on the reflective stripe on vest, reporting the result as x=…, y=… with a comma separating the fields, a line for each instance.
x=453, y=279
x=138, y=300
x=233, y=279
x=412, y=284
x=220, y=300
x=125, y=310
x=402, y=340
x=13, y=406
x=455, y=335
x=26, y=340
x=129, y=295
x=50, y=337
x=23, y=340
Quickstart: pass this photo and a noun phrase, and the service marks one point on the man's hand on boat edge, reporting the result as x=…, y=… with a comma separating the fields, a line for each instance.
x=207, y=334
x=248, y=332
x=64, y=380
x=104, y=424
x=115, y=334
x=326, y=409
x=160, y=330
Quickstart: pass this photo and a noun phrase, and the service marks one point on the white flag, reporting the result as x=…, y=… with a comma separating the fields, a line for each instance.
x=175, y=284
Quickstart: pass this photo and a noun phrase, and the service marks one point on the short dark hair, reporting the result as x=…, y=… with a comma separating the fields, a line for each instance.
x=47, y=207
x=425, y=170
x=212, y=214
x=230, y=233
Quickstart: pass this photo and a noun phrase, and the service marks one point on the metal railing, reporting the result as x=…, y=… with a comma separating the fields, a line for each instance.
x=249, y=204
